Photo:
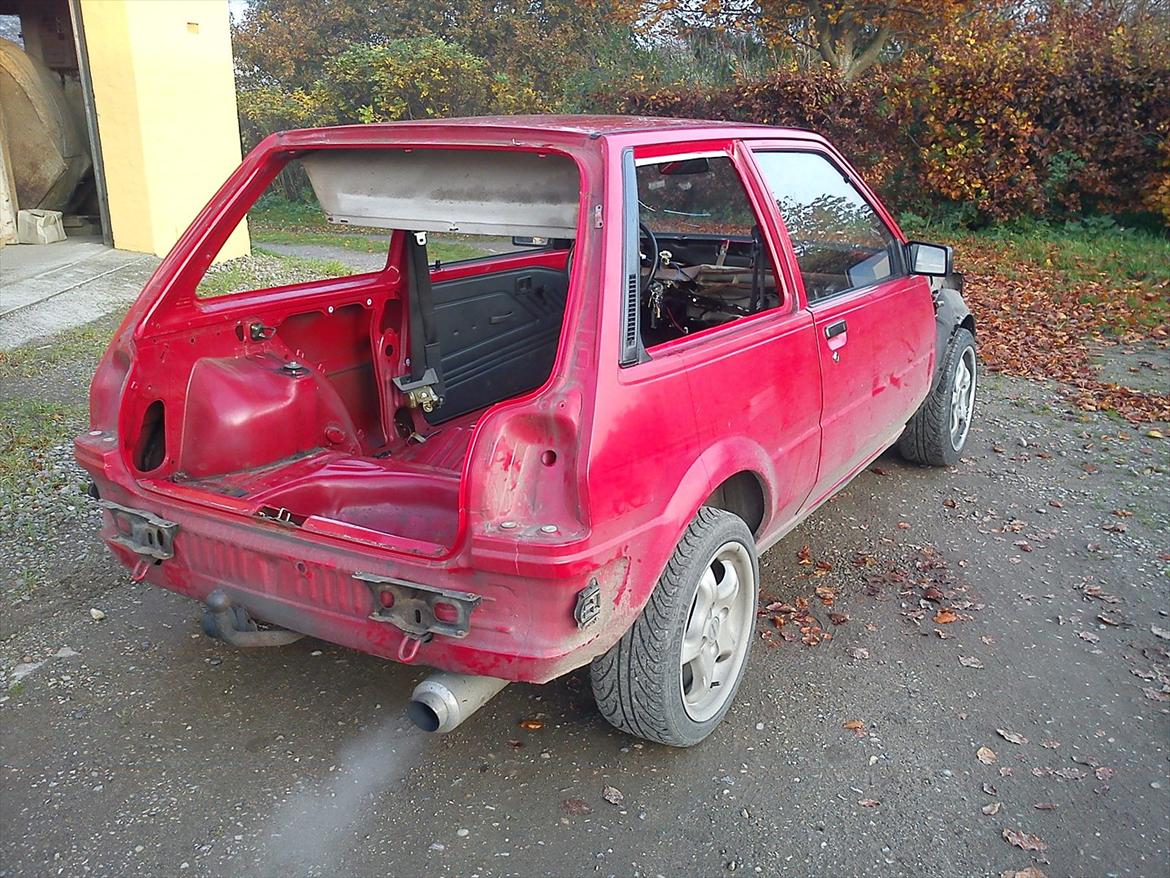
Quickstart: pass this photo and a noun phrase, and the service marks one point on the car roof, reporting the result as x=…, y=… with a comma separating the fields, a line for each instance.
x=529, y=129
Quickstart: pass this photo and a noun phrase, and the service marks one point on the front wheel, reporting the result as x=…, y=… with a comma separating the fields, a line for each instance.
x=937, y=433
x=673, y=675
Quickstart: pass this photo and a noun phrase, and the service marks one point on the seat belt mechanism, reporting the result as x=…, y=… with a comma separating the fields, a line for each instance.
x=423, y=387
x=420, y=394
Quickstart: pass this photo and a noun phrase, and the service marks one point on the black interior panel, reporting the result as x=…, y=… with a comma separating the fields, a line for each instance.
x=498, y=335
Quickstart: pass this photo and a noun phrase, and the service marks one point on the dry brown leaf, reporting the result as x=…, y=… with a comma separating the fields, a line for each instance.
x=868, y=803
x=531, y=724
x=992, y=809
x=1024, y=841
x=853, y=725
x=1011, y=736
x=945, y=616
x=970, y=661
x=613, y=795
x=804, y=556
x=576, y=807
x=985, y=755
x=1029, y=872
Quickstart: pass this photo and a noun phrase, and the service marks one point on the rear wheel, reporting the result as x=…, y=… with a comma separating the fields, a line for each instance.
x=937, y=433
x=673, y=675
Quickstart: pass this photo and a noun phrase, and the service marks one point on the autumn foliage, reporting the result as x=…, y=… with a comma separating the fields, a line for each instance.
x=1004, y=116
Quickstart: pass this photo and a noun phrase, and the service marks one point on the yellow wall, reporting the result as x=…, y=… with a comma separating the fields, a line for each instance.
x=166, y=110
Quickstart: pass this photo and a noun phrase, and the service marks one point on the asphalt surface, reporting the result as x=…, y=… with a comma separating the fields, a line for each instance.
x=133, y=745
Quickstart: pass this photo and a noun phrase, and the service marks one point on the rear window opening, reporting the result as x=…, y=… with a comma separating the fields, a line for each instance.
x=391, y=297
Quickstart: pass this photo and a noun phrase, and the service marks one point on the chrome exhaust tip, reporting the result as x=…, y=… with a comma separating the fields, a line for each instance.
x=442, y=701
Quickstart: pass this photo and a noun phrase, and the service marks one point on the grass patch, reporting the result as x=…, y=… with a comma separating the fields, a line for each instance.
x=1126, y=271
x=265, y=269
x=277, y=221
x=83, y=343
x=28, y=428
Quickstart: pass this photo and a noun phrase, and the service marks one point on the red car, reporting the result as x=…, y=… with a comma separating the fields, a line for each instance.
x=680, y=339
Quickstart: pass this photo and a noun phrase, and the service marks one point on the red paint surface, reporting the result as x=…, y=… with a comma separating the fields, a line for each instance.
x=618, y=461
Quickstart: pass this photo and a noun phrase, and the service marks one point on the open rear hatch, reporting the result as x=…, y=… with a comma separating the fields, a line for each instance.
x=347, y=405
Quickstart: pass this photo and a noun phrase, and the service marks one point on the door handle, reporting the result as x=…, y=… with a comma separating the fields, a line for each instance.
x=835, y=329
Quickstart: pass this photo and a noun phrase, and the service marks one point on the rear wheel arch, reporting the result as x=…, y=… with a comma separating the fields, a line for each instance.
x=742, y=494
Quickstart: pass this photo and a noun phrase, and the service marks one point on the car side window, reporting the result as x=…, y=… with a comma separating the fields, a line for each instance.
x=841, y=243
x=704, y=260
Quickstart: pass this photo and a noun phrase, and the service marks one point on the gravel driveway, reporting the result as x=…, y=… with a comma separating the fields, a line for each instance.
x=997, y=678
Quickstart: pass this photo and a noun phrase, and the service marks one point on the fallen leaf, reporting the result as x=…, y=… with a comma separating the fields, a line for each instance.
x=531, y=724
x=945, y=615
x=1050, y=745
x=992, y=809
x=868, y=803
x=1155, y=434
x=804, y=556
x=970, y=661
x=989, y=789
x=1024, y=841
x=1012, y=736
x=933, y=593
x=96, y=614
x=822, y=567
x=1155, y=694
x=516, y=744
x=1088, y=636
x=985, y=755
x=838, y=618
x=1045, y=806
x=858, y=652
x=1160, y=632
x=612, y=795
x=576, y=807
x=853, y=725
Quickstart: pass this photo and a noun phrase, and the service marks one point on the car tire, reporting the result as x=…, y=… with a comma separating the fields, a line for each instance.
x=642, y=685
x=938, y=432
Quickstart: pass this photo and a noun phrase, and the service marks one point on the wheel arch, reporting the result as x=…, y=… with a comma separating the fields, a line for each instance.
x=742, y=494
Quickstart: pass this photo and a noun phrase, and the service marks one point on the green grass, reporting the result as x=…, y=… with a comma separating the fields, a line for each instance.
x=28, y=428
x=277, y=221
x=1087, y=250
x=266, y=269
x=84, y=343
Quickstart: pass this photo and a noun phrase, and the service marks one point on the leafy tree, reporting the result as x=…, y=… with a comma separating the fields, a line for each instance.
x=850, y=36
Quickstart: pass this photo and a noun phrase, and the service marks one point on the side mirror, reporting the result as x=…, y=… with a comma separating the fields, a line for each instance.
x=932, y=260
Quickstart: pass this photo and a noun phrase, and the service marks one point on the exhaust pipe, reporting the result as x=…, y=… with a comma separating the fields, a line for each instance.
x=442, y=701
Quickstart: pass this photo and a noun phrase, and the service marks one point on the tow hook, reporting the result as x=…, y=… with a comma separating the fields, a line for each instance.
x=232, y=624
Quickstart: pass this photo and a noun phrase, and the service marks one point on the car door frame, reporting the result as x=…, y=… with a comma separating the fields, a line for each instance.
x=831, y=478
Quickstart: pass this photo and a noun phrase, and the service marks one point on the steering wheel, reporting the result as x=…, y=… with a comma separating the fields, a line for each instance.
x=649, y=235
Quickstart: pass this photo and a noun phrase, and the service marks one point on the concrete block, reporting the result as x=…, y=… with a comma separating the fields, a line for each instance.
x=39, y=227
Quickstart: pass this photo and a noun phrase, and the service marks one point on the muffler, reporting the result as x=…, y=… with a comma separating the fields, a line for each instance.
x=442, y=701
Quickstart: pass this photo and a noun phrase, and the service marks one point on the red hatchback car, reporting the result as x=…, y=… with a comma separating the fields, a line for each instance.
x=679, y=339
